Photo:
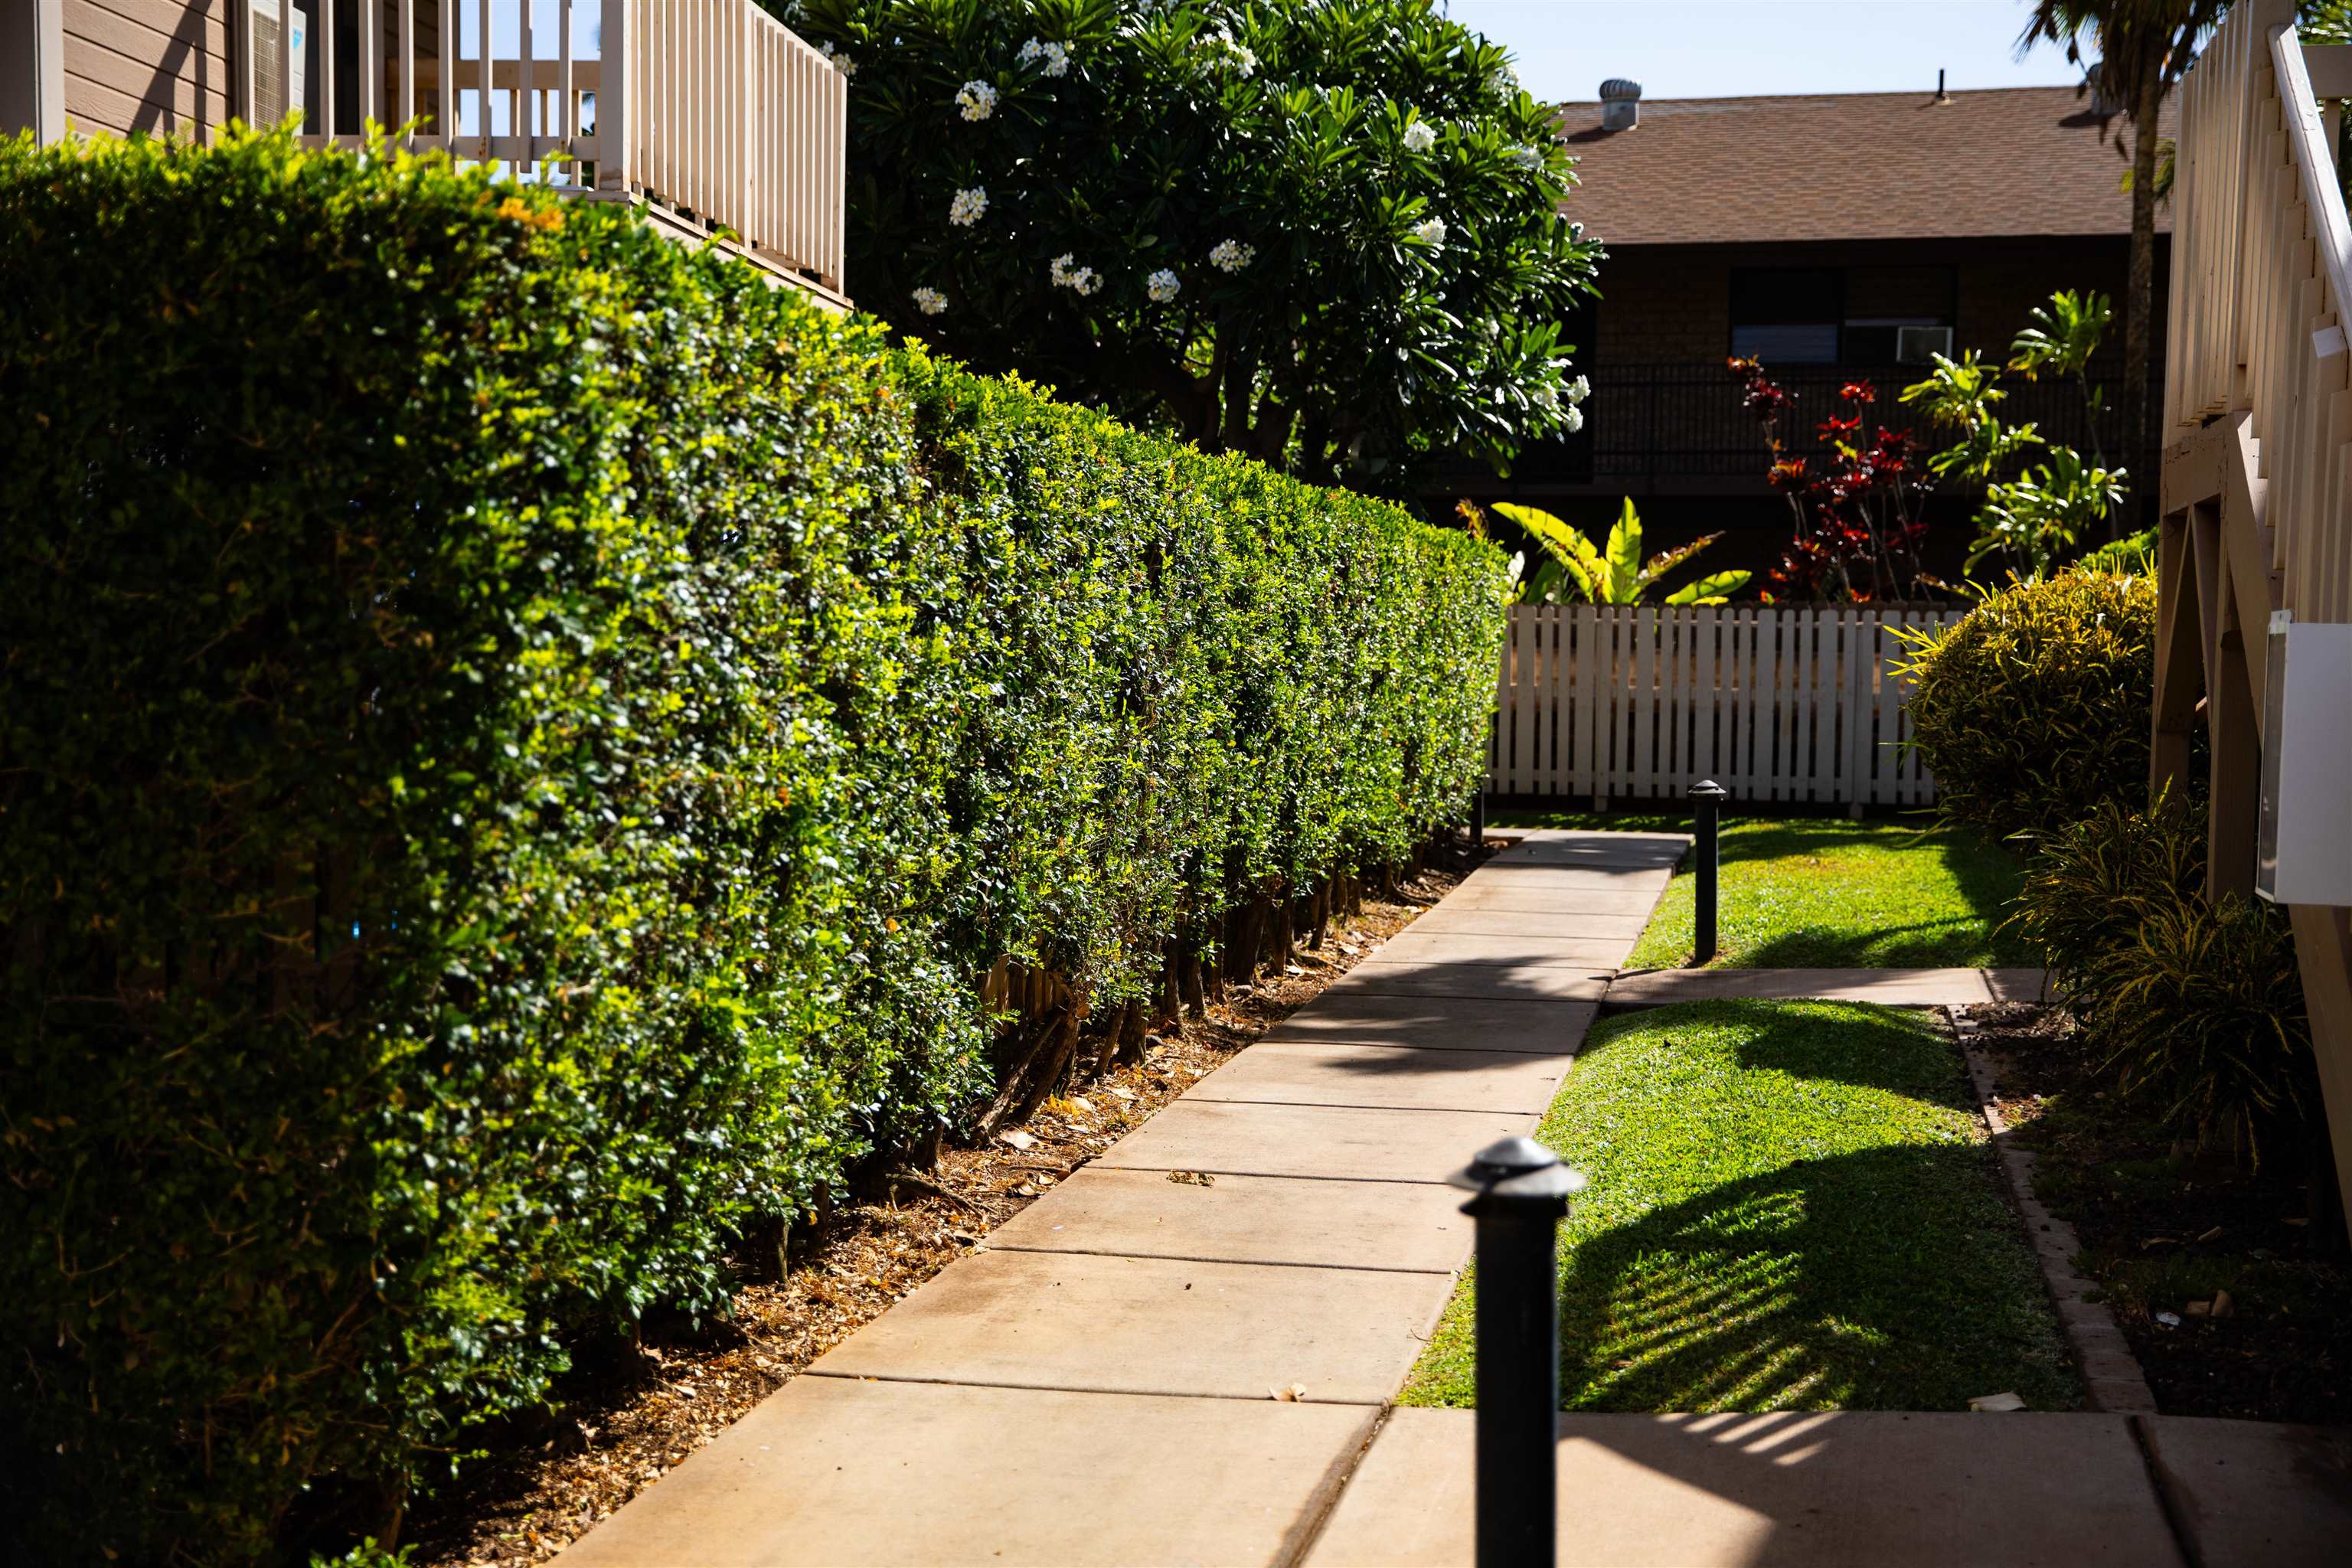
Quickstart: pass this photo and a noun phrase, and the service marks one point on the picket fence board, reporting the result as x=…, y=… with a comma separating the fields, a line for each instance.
x=1776, y=704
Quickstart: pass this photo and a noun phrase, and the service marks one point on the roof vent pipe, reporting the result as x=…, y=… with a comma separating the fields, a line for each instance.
x=1941, y=96
x=1620, y=104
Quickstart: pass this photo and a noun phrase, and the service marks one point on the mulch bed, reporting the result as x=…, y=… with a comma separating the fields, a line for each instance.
x=629, y=1413
x=2170, y=1238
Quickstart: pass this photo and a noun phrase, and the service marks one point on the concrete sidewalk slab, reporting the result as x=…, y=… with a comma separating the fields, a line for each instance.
x=1442, y=979
x=1403, y=1077
x=1372, y=1017
x=1849, y=1489
x=1310, y=1141
x=834, y=1474
x=1530, y=898
x=1560, y=845
x=1888, y=987
x=1403, y=1226
x=1527, y=952
x=1148, y=1325
x=2254, y=1494
x=1554, y=876
x=1578, y=924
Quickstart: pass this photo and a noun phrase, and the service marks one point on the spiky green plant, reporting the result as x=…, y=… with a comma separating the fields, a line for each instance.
x=1616, y=575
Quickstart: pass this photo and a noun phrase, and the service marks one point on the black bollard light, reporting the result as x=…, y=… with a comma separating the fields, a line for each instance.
x=1706, y=816
x=1477, y=819
x=1522, y=1193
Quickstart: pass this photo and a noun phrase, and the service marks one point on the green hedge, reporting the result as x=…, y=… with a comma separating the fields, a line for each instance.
x=2033, y=709
x=524, y=749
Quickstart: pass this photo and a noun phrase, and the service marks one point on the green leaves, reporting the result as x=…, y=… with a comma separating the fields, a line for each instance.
x=1321, y=142
x=1619, y=576
x=520, y=738
x=2063, y=337
x=2033, y=709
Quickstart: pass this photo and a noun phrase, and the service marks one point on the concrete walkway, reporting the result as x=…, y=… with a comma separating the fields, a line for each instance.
x=1139, y=1370
x=1888, y=987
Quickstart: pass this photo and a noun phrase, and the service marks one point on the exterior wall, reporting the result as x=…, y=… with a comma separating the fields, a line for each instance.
x=157, y=66
x=1672, y=302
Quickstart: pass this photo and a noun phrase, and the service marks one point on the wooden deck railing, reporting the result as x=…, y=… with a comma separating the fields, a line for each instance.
x=2262, y=275
x=2257, y=534
x=715, y=115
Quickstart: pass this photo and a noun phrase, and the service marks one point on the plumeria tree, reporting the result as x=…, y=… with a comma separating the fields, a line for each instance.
x=1323, y=232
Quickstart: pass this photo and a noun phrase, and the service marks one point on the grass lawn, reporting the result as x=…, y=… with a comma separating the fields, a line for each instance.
x=1821, y=892
x=1792, y=1207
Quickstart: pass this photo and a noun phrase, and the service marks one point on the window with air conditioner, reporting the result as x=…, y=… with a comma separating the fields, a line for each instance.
x=279, y=64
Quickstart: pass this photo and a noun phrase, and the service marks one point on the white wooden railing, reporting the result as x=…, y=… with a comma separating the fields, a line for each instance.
x=718, y=118
x=1624, y=704
x=2263, y=271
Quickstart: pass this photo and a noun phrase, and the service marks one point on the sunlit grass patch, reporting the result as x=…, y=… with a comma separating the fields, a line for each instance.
x=1828, y=893
x=1791, y=1208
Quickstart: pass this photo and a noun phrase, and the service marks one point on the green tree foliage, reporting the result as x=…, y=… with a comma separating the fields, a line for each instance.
x=1325, y=234
x=2034, y=515
x=522, y=742
x=2032, y=708
x=2133, y=52
x=1618, y=574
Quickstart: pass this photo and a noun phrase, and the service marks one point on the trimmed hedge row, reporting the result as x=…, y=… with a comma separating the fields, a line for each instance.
x=527, y=751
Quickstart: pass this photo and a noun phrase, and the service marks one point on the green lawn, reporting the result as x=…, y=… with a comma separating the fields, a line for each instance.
x=1826, y=893
x=1792, y=1207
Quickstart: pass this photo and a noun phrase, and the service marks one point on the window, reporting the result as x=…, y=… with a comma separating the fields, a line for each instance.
x=1852, y=315
x=1787, y=315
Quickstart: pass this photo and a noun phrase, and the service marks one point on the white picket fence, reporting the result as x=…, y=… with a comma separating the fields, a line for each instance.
x=1615, y=703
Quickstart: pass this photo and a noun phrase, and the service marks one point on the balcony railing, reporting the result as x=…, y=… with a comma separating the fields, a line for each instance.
x=1653, y=425
x=717, y=116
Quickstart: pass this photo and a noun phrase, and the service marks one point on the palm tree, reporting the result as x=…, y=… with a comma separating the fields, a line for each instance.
x=2143, y=47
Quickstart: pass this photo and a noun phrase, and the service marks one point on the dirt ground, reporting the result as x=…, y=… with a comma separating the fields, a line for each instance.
x=2235, y=1295
x=625, y=1419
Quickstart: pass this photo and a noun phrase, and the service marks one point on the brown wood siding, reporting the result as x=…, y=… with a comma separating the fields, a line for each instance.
x=156, y=66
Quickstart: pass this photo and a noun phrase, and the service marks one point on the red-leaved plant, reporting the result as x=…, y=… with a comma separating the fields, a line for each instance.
x=1859, y=522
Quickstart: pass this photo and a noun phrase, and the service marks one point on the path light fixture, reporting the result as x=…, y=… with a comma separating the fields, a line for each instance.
x=1521, y=1195
x=1706, y=817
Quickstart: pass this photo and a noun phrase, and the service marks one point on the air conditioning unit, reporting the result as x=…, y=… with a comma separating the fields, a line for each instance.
x=275, y=97
x=1918, y=345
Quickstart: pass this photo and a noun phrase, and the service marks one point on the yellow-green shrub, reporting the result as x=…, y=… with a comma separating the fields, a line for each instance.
x=2033, y=708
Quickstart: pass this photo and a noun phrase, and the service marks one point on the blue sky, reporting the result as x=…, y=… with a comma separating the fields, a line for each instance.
x=1715, y=48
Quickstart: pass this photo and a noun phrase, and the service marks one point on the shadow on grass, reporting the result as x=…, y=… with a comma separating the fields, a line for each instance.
x=1892, y=1279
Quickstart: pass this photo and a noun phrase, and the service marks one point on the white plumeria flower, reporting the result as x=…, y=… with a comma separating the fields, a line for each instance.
x=1085, y=279
x=1231, y=255
x=1525, y=159
x=1402, y=353
x=1572, y=418
x=977, y=99
x=1579, y=390
x=1056, y=57
x=1432, y=234
x=1219, y=48
x=841, y=63
x=1420, y=136
x=1162, y=286
x=968, y=207
x=931, y=301
x=1546, y=398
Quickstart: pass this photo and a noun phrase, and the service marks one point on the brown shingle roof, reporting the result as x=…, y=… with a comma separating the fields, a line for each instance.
x=1868, y=165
